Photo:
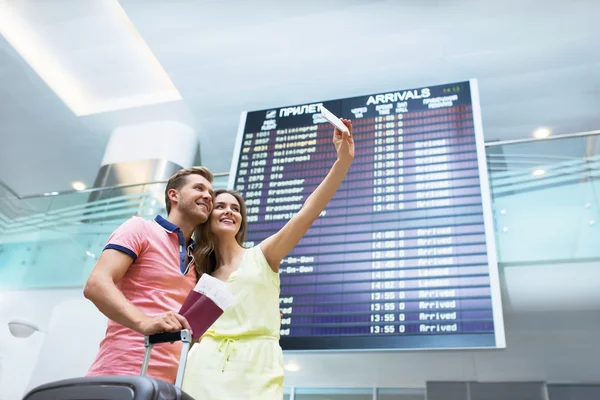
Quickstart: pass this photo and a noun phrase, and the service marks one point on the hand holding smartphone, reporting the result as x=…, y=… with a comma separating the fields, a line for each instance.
x=335, y=121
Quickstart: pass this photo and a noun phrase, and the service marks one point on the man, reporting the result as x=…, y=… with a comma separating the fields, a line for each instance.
x=143, y=277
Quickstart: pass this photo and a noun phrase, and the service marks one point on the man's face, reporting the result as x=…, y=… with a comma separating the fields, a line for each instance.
x=195, y=198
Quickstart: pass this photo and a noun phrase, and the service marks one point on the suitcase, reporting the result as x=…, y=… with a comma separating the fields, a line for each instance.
x=122, y=387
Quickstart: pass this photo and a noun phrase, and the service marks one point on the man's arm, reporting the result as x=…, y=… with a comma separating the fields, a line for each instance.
x=101, y=289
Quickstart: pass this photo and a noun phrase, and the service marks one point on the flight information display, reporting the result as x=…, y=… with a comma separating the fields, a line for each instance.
x=403, y=256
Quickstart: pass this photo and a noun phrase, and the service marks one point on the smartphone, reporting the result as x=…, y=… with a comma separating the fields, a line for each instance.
x=335, y=121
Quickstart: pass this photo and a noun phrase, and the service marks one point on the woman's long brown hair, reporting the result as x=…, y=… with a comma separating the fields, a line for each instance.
x=205, y=259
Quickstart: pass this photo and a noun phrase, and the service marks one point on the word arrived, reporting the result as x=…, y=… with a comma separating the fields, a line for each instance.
x=438, y=328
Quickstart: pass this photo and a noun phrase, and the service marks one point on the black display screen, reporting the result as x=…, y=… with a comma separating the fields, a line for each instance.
x=403, y=256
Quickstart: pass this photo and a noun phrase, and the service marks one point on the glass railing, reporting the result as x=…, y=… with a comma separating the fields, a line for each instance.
x=545, y=196
x=546, y=199
x=56, y=243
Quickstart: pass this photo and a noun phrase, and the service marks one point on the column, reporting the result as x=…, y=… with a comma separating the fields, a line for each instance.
x=145, y=152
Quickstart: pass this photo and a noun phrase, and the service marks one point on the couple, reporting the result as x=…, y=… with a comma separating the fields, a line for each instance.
x=148, y=268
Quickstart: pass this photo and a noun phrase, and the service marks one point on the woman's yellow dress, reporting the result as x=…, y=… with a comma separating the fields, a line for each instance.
x=239, y=357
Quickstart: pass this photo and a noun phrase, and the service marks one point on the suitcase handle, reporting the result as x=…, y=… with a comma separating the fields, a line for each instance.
x=165, y=337
x=183, y=335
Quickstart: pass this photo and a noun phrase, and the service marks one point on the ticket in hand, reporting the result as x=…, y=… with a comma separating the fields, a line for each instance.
x=205, y=304
x=335, y=121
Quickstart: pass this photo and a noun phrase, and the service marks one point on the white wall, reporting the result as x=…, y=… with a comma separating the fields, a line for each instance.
x=75, y=327
x=72, y=329
x=551, y=341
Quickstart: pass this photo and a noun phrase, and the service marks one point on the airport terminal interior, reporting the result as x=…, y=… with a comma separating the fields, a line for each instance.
x=458, y=260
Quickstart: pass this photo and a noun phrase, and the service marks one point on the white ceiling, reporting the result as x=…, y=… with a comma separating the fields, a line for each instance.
x=537, y=62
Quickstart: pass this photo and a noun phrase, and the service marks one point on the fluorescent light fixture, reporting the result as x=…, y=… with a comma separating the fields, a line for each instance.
x=541, y=133
x=538, y=172
x=291, y=367
x=88, y=53
x=79, y=186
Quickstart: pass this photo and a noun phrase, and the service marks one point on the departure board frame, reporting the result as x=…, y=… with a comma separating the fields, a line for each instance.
x=459, y=306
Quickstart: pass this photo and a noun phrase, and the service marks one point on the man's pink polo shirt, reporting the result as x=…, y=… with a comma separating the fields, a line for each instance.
x=158, y=280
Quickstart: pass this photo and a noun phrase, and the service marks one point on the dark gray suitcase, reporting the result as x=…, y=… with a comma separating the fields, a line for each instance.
x=122, y=387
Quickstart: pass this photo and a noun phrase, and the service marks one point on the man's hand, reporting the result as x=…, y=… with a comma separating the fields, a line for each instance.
x=167, y=322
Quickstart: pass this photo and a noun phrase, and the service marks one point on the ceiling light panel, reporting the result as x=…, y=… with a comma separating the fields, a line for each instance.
x=88, y=53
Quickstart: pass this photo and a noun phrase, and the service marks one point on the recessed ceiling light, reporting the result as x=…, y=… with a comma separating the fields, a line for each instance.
x=541, y=133
x=79, y=186
x=291, y=367
x=538, y=172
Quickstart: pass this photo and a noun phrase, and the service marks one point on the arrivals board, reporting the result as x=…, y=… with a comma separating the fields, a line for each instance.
x=403, y=256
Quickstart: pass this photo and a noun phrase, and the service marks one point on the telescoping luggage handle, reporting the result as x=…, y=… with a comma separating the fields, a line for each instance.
x=184, y=335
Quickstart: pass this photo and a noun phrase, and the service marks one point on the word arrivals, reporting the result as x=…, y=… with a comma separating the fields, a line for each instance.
x=399, y=96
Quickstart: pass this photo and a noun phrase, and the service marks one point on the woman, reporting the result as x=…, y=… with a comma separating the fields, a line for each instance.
x=239, y=357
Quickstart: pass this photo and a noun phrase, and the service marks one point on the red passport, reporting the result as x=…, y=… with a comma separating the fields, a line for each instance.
x=205, y=304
